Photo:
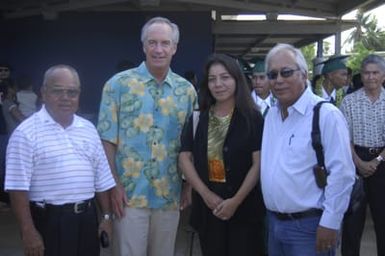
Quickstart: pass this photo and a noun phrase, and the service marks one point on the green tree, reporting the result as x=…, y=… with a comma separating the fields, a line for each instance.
x=308, y=52
x=359, y=52
x=367, y=32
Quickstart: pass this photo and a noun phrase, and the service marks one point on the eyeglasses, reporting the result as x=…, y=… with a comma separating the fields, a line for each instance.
x=284, y=72
x=71, y=93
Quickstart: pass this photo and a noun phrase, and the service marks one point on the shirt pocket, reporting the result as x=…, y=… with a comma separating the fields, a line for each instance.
x=298, y=152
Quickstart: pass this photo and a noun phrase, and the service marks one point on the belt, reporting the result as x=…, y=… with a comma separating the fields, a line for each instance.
x=370, y=150
x=78, y=207
x=298, y=215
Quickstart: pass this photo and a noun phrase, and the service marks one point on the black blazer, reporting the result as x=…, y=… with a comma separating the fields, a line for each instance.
x=238, y=146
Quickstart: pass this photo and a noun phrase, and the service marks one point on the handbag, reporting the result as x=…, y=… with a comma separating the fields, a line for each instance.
x=357, y=195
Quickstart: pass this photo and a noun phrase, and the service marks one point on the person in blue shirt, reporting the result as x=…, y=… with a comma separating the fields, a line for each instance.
x=141, y=117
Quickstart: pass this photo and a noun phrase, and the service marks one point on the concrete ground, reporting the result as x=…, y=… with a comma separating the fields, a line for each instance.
x=10, y=244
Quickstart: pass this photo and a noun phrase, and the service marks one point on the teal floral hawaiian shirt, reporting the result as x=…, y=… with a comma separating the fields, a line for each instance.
x=145, y=121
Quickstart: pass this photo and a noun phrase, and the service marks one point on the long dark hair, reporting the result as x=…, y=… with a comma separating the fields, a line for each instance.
x=244, y=104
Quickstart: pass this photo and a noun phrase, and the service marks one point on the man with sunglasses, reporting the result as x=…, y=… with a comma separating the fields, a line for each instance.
x=303, y=218
x=55, y=166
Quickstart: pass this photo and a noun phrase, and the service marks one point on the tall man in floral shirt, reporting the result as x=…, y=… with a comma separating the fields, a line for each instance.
x=142, y=113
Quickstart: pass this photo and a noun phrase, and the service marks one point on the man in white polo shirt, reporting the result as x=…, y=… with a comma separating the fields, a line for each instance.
x=55, y=165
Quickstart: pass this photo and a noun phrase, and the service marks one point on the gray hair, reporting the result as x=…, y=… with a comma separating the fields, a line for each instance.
x=48, y=73
x=299, y=58
x=160, y=20
x=374, y=59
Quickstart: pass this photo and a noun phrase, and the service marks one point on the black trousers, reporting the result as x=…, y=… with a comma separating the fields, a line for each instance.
x=66, y=233
x=353, y=224
x=228, y=238
x=233, y=237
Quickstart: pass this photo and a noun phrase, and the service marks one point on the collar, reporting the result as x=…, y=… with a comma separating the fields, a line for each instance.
x=268, y=101
x=47, y=118
x=326, y=96
x=147, y=77
x=302, y=103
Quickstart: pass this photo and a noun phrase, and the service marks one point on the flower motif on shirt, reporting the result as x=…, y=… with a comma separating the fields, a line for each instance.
x=167, y=105
x=174, y=175
x=159, y=152
x=103, y=124
x=130, y=103
x=161, y=187
x=154, y=135
x=132, y=168
x=143, y=122
x=173, y=148
x=138, y=202
x=137, y=87
x=185, y=93
x=151, y=170
x=181, y=117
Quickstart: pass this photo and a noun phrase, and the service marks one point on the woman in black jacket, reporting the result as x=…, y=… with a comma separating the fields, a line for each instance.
x=222, y=163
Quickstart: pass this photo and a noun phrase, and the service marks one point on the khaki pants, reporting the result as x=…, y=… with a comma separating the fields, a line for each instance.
x=145, y=232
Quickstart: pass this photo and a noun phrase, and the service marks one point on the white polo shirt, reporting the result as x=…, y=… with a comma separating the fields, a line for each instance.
x=54, y=164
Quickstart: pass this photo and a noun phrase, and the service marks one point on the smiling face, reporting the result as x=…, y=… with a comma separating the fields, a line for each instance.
x=286, y=89
x=221, y=84
x=159, y=47
x=61, y=95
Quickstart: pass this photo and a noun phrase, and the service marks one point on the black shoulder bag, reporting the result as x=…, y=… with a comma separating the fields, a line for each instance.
x=320, y=172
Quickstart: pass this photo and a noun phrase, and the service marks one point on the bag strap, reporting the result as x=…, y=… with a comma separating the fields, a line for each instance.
x=316, y=135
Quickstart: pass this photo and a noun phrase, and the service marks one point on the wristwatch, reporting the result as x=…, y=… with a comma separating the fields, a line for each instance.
x=107, y=216
x=380, y=158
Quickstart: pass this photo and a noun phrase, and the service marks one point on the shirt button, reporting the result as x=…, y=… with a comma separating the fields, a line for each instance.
x=225, y=149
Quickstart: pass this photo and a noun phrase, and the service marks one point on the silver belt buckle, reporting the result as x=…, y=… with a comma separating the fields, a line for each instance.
x=40, y=204
x=76, y=207
x=373, y=151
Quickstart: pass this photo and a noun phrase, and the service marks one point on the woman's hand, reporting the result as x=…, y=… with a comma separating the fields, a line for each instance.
x=226, y=209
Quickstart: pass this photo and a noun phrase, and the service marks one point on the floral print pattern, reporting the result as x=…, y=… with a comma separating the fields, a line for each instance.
x=145, y=121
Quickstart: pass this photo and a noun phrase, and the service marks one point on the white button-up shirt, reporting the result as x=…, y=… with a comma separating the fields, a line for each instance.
x=288, y=158
x=262, y=103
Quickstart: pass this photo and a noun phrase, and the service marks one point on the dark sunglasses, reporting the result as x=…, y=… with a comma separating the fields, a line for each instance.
x=284, y=72
x=58, y=92
x=4, y=69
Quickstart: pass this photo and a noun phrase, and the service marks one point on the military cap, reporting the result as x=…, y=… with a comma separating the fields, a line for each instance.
x=259, y=66
x=334, y=63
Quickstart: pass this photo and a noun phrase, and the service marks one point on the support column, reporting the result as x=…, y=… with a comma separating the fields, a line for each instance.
x=337, y=44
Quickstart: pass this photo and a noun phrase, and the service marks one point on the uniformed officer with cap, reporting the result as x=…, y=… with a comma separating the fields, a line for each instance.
x=335, y=75
x=261, y=93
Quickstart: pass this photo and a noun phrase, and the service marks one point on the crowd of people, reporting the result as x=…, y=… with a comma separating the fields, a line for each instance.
x=245, y=160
